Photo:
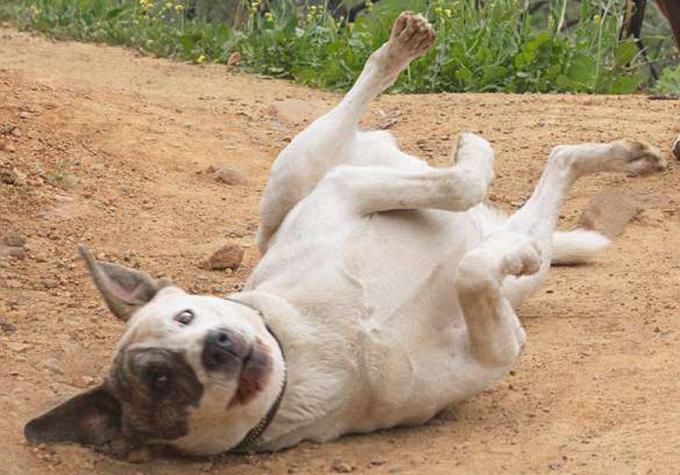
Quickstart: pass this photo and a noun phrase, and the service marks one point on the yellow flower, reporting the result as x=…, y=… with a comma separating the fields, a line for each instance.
x=179, y=7
x=438, y=10
x=168, y=5
x=447, y=12
x=200, y=59
x=269, y=16
x=597, y=18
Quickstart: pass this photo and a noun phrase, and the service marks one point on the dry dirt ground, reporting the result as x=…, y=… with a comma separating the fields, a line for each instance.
x=111, y=149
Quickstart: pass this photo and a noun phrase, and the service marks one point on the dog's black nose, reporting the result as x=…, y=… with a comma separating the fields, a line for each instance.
x=222, y=349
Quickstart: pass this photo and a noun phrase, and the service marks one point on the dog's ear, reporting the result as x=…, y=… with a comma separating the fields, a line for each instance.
x=124, y=289
x=92, y=417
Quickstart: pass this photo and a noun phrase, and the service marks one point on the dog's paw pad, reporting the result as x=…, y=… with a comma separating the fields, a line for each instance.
x=412, y=35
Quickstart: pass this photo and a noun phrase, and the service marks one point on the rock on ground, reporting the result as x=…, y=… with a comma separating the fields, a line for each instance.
x=226, y=257
x=608, y=213
x=14, y=240
x=230, y=176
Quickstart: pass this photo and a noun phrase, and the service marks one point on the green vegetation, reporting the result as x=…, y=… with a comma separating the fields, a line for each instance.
x=500, y=46
x=669, y=82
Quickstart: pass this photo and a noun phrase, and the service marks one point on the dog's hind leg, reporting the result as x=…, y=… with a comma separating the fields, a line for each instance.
x=538, y=217
x=331, y=139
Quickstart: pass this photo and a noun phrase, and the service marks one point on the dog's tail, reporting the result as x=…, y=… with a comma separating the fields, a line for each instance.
x=577, y=247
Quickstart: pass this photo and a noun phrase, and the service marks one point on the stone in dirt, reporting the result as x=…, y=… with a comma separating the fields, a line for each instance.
x=18, y=347
x=297, y=111
x=17, y=253
x=7, y=327
x=140, y=455
x=12, y=177
x=676, y=148
x=14, y=240
x=230, y=176
x=341, y=467
x=226, y=257
x=49, y=283
x=608, y=213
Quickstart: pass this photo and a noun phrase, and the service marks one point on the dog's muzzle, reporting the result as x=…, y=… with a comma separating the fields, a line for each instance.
x=224, y=350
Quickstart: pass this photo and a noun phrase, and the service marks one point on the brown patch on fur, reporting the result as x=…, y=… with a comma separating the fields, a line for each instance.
x=147, y=412
x=257, y=369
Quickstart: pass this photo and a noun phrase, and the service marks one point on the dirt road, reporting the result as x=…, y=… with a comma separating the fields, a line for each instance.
x=111, y=149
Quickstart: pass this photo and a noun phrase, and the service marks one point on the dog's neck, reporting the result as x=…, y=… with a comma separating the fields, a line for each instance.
x=309, y=351
x=273, y=311
x=252, y=438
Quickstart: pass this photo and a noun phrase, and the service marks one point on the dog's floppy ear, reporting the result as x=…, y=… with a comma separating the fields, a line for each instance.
x=124, y=289
x=92, y=417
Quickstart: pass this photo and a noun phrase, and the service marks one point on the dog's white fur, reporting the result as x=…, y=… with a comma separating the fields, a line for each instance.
x=389, y=283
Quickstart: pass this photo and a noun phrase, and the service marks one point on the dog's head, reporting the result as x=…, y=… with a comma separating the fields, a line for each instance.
x=187, y=366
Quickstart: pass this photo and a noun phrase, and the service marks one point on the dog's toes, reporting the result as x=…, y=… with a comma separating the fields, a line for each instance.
x=523, y=256
x=641, y=158
x=412, y=35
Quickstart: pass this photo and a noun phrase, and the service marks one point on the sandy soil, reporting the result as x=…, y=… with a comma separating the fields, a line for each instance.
x=111, y=149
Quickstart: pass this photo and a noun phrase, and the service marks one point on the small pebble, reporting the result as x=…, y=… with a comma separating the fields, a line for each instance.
x=49, y=283
x=141, y=455
x=14, y=240
x=18, y=347
x=342, y=467
x=226, y=257
x=8, y=327
x=230, y=176
x=17, y=252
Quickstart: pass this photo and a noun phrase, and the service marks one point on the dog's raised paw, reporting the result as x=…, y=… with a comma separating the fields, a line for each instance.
x=641, y=158
x=522, y=255
x=412, y=35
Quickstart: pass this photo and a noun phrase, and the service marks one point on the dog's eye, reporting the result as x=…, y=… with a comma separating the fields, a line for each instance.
x=184, y=317
x=159, y=382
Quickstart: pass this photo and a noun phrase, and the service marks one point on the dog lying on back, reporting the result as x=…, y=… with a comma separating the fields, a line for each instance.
x=385, y=293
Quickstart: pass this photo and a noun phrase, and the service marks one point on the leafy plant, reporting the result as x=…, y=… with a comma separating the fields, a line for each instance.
x=499, y=46
x=669, y=82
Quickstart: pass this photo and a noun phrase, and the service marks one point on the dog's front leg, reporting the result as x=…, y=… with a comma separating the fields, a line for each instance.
x=495, y=334
x=329, y=140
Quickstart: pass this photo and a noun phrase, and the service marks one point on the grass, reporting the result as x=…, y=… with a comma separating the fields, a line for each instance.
x=498, y=47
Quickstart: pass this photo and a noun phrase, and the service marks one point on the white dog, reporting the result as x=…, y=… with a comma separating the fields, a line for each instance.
x=385, y=293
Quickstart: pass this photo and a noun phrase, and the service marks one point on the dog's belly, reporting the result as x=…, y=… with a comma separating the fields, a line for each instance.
x=376, y=263
x=394, y=254
x=360, y=279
